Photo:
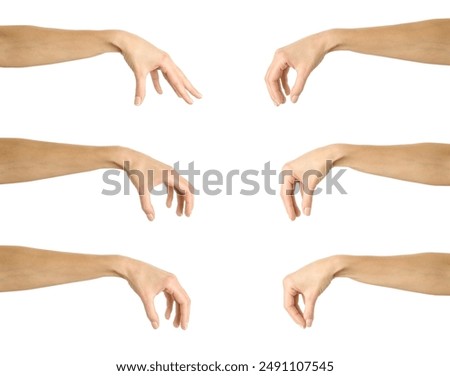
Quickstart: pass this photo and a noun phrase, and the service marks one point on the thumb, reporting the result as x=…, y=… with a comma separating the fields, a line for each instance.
x=298, y=85
x=140, y=88
x=147, y=206
x=307, y=203
x=310, y=181
x=151, y=313
x=141, y=185
x=310, y=303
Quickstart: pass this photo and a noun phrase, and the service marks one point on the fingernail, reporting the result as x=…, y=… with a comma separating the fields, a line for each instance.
x=309, y=323
x=137, y=101
x=151, y=217
x=155, y=324
x=275, y=103
x=294, y=98
x=307, y=211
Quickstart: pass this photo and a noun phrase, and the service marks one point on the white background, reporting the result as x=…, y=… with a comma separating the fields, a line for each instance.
x=233, y=253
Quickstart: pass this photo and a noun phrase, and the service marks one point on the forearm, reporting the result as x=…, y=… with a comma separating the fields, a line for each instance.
x=427, y=273
x=426, y=163
x=425, y=41
x=22, y=46
x=26, y=268
x=25, y=160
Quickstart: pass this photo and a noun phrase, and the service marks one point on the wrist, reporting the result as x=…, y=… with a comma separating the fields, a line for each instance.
x=105, y=265
x=338, y=265
x=335, y=153
x=120, y=266
x=118, y=39
x=117, y=155
x=126, y=43
x=96, y=157
x=106, y=39
x=339, y=39
x=342, y=154
x=342, y=265
x=333, y=39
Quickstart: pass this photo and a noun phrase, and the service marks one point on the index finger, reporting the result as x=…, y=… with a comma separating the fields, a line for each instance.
x=177, y=80
x=182, y=298
x=192, y=89
x=292, y=307
x=178, y=84
x=185, y=192
x=308, y=186
x=188, y=197
x=188, y=85
x=273, y=77
x=185, y=189
x=288, y=196
x=170, y=67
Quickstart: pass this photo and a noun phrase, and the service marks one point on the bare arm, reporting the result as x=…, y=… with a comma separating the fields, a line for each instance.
x=25, y=160
x=427, y=273
x=425, y=42
x=427, y=163
x=26, y=268
x=23, y=46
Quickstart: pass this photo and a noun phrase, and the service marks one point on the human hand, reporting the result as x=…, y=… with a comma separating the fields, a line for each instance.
x=148, y=281
x=144, y=58
x=303, y=56
x=309, y=282
x=146, y=173
x=306, y=172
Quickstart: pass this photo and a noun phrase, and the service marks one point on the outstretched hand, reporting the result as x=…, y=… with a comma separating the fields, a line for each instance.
x=303, y=56
x=144, y=58
x=305, y=173
x=148, y=281
x=309, y=282
x=147, y=173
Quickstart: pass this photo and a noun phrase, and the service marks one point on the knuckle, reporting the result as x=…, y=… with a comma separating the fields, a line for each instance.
x=288, y=167
x=171, y=280
x=165, y=57
x=280, y=54
x=165, y=66
x=287, y=282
